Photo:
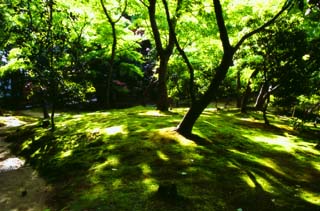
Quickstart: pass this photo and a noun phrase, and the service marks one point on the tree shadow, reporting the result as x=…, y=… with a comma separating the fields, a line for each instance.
x=91, y=169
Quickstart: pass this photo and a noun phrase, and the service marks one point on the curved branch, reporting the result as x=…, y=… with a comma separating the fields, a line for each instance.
x=271, y=21
x=123, y=11
x=111, y=21
x=180, y=50
x=144, y=4
x=106, y=13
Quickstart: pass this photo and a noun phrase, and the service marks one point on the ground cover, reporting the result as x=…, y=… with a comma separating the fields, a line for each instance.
x=116, y=160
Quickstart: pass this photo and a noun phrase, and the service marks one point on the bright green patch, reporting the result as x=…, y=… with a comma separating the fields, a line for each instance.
x=116, y=160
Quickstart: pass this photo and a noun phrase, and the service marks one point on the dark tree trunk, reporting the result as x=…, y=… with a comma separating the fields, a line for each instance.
x=45, y=109
x=186, y=125
x=111, y=62
x=53, y=126
x=162, y=101
x=265, y=107
x=245, y=98
x=239, y=104
x=164, y=54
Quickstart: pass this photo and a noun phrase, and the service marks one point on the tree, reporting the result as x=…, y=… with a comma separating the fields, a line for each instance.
x=112, y=23
x=186, y=125
x=164, y=51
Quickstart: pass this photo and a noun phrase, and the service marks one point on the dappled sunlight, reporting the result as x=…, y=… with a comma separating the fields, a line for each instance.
x=146, y=170
x=150, y=185
x=311, y=197
x=155, y=113
x=11, y=121
x=117, y=183
x=266, y=162
x=162, y=156
x=170, y=134
x=78, y=116
x=120, y=157
x=281, y=143
x=265, y=184
x=112, y=161
x=272, y=164
x=25, y=145
x=65, y=154
x=247, y=180
x=284, y=127
x=286, y=143
x=119, y=129
x=98, y=113
x=315, y=165
x=36, y=153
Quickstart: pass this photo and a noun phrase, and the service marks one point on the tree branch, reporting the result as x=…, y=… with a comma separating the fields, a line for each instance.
x=271, y=21
x=180, y=50
x=221, y=25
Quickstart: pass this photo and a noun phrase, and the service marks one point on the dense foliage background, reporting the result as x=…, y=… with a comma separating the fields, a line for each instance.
x=97, y=54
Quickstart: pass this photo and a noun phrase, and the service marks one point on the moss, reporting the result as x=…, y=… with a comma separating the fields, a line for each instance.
x=116, y=160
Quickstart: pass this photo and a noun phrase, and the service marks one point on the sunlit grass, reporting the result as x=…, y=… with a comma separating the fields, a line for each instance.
x=116, y=160
x=311, y=197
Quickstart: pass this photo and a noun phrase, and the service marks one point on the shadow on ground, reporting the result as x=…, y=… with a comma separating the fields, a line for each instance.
x=116, y=160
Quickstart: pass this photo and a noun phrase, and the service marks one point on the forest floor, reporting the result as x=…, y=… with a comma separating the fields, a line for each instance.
x=21, y=188
x=117, y=160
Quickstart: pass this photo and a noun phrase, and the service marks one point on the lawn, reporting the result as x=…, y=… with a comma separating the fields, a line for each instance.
x=115, y=160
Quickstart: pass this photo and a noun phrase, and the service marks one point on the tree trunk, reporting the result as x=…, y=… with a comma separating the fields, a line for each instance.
x=162, y=101
x=239, y=101
x=246, y=95
x=164, y=55
x=53, y=126
x=261, y=99
x=245, y=98
x=113, y=50
x=111, y=62
x=186, y=125
x=265, y=107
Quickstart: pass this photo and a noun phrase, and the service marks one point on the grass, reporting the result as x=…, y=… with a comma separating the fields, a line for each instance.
x=116, y=160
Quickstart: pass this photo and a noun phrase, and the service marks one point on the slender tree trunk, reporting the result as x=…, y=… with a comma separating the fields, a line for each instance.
x=186, y=125
x=111, y=62
x=247, y=93
x=53, y=126
x=261, y=98
x=185, y=58
x=239, y=104
x=113, y=50
x=264, y=110
x=53, y=88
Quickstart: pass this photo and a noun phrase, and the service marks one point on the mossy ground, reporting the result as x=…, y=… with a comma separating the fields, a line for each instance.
x=115, y=160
